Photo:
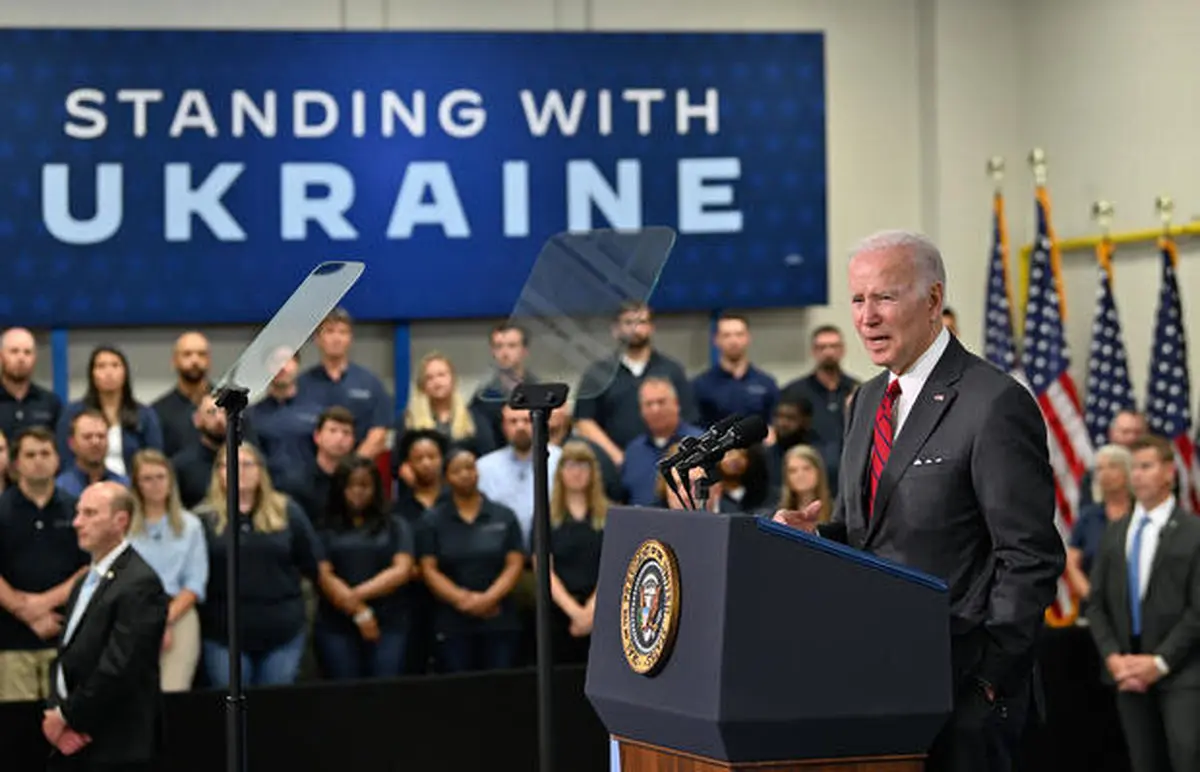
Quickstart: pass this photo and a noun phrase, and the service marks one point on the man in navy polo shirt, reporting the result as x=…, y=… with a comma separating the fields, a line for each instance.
x=39, y=561
x=89, y=443
x=335, y=380
x=734, y=386
x=22, y=402
x=660, y=411
x=284, y=421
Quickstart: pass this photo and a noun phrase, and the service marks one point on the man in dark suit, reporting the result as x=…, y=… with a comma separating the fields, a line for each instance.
x=1145, y=616
x=105, y=710
x=945, y=468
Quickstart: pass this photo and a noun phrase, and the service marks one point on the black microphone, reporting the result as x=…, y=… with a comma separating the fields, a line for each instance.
x=689, y=445
x=742, y=434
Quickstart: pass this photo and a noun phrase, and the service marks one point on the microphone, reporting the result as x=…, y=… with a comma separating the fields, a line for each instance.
x=742, y=434
x=689, y=445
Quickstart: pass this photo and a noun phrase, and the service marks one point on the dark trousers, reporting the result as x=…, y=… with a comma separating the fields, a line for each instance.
x=343, y=655
x=981, y=736
x=464, y=652
x=80, y=763
x=1162, y=729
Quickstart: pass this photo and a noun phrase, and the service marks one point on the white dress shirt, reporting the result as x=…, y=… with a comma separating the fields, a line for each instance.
x=100, y=569
x=1158, y=519
x=913, y=379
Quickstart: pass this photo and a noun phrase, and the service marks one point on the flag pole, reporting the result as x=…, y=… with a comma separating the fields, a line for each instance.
x=1102, y=213
x=1165, y=207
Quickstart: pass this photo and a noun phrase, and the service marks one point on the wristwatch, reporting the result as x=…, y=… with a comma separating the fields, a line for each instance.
x=364, y=615
x=988, y=689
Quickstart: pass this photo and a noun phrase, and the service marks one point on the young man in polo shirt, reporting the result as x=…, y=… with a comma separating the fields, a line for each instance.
x=39, y=561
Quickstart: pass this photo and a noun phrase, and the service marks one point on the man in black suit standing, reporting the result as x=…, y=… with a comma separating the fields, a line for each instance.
x=105, y=710
x=1145, y=616
x=945, y=468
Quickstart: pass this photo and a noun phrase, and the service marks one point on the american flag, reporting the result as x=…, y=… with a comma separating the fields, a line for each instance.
x=1168, y=409
x=999, y=345
x=1046, y=361
x=1108, y=388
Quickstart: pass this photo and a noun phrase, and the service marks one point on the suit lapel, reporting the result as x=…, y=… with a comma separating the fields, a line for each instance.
x=1164, y=544
x=926, y=412
x=858, y=449
x=1120, y=580
x=106, y=580
x=69, y=609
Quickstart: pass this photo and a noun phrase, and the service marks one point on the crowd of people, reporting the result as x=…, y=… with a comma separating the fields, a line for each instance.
x=374, y=544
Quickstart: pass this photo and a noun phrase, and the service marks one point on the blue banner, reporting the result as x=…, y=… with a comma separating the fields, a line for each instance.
x=175, y=177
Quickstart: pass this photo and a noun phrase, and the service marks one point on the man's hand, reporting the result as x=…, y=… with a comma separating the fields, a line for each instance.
x=368, y=628
x=477, y=605
x=53, y=725
x=47, y=626
x=72, y=742
x=581, y=624
x=803, y=519
x=167, y=639
x=1140, y=673
x=34, y=606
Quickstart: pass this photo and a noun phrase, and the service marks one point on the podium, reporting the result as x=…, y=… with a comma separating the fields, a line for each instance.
x=729, y=642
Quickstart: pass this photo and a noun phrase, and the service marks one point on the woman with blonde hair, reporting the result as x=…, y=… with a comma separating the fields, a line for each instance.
x=578, y=508
x=437, y=403
x=805, y=481
x=1112, y=499
x=278, y=546
x=171, y=540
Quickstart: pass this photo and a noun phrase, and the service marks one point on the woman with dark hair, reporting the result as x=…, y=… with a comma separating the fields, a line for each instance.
x=132, y=426
x=422, y=453
x=362, y=618
x=743, y=485
x=471, y=558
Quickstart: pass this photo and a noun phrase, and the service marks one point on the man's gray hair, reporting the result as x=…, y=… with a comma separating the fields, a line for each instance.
x=925, y=254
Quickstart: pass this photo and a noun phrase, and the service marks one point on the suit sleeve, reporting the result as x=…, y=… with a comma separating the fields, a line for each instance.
x=835, y=529
x=133, y=646
x=1014, y=486
x=1184, y=638
x=1099, y=616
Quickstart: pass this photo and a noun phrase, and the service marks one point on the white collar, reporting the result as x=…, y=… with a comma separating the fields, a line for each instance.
x=1159, y=515
x=914, y=378
x=102, y=566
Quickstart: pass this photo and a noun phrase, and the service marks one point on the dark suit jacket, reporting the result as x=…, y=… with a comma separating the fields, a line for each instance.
x=111, y=664
x=1171, y=608
x=968, y=496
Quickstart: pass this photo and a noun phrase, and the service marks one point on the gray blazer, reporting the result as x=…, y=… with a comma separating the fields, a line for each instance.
x=967, y=495
x=1171, y=608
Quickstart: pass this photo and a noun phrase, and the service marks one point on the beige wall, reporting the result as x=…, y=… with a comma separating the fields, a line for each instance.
x=921, y=93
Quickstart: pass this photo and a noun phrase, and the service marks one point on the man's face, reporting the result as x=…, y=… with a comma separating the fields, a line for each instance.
x=18, y=355
x=1153, y=478
x=90, y=440
x=334, y=340
x=210, y=419
x=789, y=420
x=191, y=359
x=893, y=316
x=1126, y=428
x=286, y=374
x=634, y=328
x=660, y=409
x=828, y=350
x=518, y=429
x=37, y=460
x=335, y=439
x=733, y=339
x=96, y=524
x=508, y=349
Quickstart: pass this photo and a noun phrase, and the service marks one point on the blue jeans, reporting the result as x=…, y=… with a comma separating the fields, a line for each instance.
x=277, y=667
x=480, y=651
x=347, y=655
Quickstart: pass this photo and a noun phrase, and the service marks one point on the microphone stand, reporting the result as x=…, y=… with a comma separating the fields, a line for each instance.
x=540, y=400
x=233, y=400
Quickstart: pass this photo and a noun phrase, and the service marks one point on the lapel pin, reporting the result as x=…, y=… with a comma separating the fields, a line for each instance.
x=939, y=397
x=109, y=575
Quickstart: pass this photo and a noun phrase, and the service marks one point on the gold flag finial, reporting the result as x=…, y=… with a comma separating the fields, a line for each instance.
x=1037, y=162
x=1166, y=210
x=995, y=170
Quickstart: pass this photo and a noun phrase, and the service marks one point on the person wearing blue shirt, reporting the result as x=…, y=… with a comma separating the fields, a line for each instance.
x=171, y=541
x=506, y=474
x=89, y=443
x=335, y=380
x=734, y=386
x=284, y=422
x=660, y=412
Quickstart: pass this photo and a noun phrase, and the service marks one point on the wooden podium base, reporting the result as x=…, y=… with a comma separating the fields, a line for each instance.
x=641, y=757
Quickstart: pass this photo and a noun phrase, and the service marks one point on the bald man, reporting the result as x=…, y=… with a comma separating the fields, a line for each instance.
x=104, y=712
x=23, y=403
x=191, y=359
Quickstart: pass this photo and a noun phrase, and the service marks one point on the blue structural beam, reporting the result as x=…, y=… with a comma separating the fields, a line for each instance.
x=402, y=367
x=59, y=362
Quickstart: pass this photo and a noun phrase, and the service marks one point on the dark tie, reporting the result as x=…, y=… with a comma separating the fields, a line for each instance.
x=884, y=433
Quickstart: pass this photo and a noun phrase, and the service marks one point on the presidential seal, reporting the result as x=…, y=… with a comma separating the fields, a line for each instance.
x=650, y=607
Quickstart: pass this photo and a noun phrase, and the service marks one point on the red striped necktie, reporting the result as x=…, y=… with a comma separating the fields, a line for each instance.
x=884, y=433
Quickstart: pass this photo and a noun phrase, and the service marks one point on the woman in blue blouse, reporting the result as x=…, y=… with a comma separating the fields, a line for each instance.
x=171, y=540
x=132, y=425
